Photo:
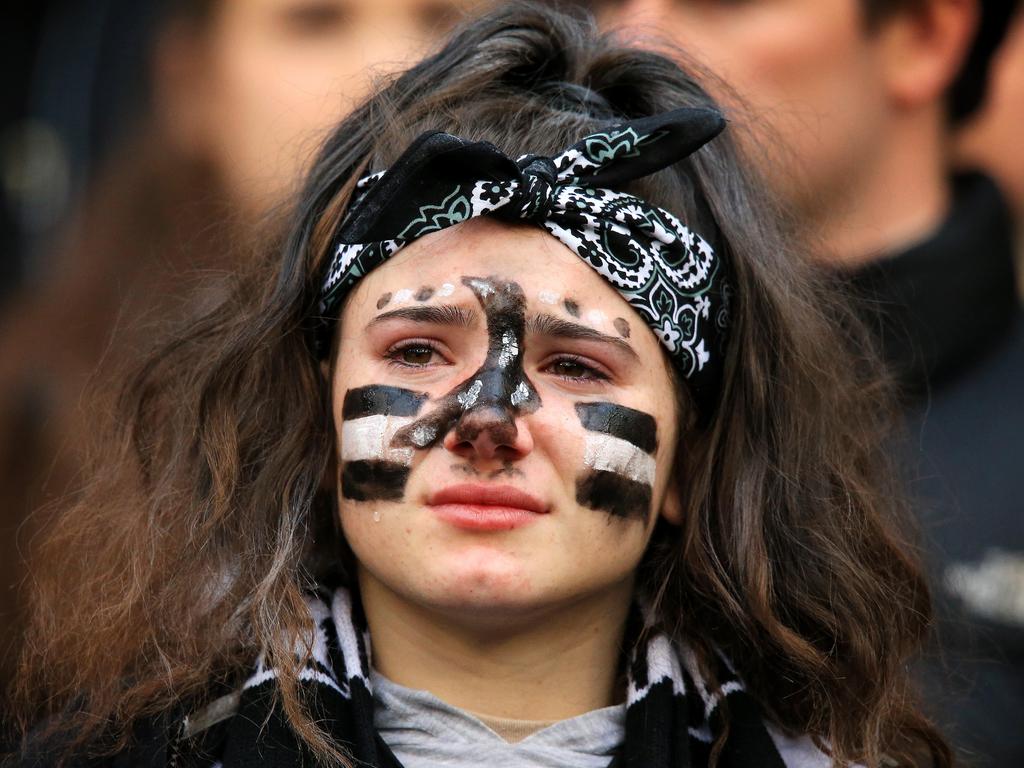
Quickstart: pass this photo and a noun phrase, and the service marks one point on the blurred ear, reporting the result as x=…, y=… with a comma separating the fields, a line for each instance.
x=180, y=86
x=922, y=48
x=672, y=506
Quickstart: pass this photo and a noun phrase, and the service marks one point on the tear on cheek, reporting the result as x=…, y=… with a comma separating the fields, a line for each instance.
x=371, y=468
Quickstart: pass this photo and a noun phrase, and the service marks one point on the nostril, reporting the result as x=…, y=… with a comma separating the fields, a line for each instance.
x=496, y=424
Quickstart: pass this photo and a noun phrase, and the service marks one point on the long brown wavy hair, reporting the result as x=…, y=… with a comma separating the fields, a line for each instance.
x=207, y=516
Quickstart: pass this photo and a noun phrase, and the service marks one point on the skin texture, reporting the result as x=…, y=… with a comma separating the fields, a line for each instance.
x=535, y=605
x=258, y=87
x=847, y=122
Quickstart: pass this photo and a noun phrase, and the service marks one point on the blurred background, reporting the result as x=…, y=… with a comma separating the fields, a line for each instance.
x=144, y=143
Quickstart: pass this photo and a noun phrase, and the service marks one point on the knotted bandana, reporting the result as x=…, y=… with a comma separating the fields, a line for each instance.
x=671, y=275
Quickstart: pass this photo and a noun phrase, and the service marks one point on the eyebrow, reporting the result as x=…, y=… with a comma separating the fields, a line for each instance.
x=445, y=314
x=549, y=325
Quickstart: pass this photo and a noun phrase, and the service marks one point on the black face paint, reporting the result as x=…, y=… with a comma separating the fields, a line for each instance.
x=383, y=300
x=627, y=424
x=490, y=399
x=424, y=293
x=571, y=307
x=507, y=468
x=614, y=494
x=620, y=449
x=371, y=470
x=621, y=326
x=381, y=400
x=373, y=480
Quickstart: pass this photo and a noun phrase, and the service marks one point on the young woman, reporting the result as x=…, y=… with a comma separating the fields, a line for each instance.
x=538, y=445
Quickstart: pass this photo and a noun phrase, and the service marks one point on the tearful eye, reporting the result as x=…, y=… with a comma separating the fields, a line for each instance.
x=571, y=368
x=576, y=370
x=415, y=355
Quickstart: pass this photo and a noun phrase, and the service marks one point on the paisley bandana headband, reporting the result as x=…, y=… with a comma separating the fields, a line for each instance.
x=671, y=275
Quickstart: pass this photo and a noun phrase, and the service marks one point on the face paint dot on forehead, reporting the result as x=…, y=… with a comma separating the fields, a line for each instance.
x=571, y=307
x=403, y=295
x=383, y=300
x=446, y=289
x=424, y=293
x=548, y=297
x=622, y=327
x=596, y=317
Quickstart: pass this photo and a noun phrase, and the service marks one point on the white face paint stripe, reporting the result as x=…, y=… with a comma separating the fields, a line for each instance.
x=605, y=453
x=369, y=438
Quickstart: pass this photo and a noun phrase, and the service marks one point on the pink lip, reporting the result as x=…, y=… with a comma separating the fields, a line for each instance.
x=486, y=507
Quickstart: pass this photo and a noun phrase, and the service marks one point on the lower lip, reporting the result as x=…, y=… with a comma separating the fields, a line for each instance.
x=476, y=517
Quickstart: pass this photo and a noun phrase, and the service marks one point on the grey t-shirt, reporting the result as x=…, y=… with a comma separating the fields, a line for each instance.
x=425, y=732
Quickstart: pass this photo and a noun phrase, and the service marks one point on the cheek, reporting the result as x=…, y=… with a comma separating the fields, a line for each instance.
x=370, y=467
x=618, y=468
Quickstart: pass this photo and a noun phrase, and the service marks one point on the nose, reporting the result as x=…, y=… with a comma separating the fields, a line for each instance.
x=489, y=432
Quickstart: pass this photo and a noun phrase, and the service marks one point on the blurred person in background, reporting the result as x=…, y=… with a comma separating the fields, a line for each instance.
x=854, y=103
x=240, y=93
x=990, y=139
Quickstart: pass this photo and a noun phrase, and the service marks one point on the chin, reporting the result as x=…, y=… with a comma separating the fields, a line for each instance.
x=481, y=582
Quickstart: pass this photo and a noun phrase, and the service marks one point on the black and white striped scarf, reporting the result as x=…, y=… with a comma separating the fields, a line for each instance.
x=673, y=718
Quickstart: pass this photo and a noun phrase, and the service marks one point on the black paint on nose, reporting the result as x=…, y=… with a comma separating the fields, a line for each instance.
x=499, y=390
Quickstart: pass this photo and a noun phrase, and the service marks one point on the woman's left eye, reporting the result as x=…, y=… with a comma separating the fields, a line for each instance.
x=575, y=369
x=416, y=355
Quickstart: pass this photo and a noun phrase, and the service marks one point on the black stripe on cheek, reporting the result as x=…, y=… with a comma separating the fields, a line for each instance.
x=381, y=400
x=612, y=493
x=373, y=480
x=634, y=426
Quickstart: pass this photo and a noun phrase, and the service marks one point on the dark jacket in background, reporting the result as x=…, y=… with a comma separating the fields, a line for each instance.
x=952, y=329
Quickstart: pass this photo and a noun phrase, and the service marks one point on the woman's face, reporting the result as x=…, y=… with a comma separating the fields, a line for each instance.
x=505, y=424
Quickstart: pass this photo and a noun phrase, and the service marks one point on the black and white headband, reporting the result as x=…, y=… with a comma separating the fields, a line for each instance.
x=671, y=275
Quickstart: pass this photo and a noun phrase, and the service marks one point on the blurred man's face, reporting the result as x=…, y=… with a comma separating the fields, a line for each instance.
x=268, y=79
x=808, y=74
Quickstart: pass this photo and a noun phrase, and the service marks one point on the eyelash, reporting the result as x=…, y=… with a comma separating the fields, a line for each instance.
x=593, y=373
x=393, y=353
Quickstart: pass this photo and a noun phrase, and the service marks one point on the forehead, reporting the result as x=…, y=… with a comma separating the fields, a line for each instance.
x=541, y=265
